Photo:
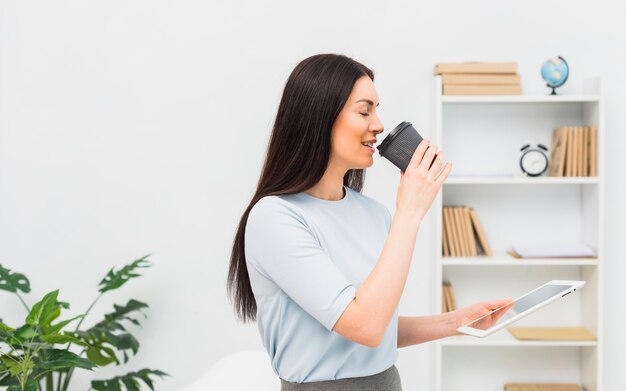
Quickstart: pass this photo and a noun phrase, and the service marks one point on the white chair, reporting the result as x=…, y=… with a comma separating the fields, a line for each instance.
x=248, y=370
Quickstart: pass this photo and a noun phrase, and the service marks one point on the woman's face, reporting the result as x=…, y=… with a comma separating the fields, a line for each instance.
x=357, y=125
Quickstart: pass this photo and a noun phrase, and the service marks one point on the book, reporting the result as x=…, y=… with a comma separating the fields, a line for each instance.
x=444, y=238
x=455, y=235
x=569, y=152
x=574, y=170
x=449, y=229
x=469, y=231
x=512, y=89
x=585, y=159
x=480, y=233
x=575, y=146
x=541, y=387
x=480, y=79
x=476, y=67
x=579, y=151
x=460, y=226
x=556, y=164
x=592, y=151
x=448, y=301
x=551, y=333
x=451, y=298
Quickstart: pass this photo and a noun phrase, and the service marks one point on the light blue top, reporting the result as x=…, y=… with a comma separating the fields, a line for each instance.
x=306, y=257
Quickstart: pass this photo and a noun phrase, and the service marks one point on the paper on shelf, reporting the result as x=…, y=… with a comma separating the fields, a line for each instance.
x=553, y=250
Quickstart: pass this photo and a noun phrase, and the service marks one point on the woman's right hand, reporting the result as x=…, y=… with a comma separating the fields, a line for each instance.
x=419, y=184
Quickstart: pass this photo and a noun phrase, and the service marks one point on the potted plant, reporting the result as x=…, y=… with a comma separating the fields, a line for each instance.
x=42, y=355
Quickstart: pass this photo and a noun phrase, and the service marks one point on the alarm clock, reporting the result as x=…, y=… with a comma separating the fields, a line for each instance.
x=534, y=160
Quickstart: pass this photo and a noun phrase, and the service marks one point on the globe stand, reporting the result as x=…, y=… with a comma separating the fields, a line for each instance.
x=553, y=89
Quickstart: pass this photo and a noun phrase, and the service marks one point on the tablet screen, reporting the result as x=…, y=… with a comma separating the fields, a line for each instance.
x=520, y=305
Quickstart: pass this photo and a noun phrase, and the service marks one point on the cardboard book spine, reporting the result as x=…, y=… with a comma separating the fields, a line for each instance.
x=460, y=231
x=585, y=148
x=469, y=230
x=480, y=233
x=477, y=67
x=569, y=152
x=480, y=79
x=452, y=241
x=444, y=236
x=593, y=152
x=557, y=152
x=482, y=90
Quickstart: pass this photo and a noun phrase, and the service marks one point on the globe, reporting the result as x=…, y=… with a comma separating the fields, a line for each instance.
x=555, y=72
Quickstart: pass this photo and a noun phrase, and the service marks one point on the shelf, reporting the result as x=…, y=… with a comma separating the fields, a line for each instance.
x=504, y=339
x=481, y=136
x=519, y=180
x=505, y=260
x=519, y=98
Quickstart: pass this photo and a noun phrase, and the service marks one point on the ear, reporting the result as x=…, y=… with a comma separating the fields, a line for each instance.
x=543, y=147
x=525, y=147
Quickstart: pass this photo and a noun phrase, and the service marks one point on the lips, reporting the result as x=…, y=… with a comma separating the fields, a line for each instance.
x=369, y=143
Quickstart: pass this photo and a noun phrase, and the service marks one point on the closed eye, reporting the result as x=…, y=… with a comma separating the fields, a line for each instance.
x=365, y=114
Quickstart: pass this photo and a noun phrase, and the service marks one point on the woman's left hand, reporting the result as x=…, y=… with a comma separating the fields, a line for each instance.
x=465, y=315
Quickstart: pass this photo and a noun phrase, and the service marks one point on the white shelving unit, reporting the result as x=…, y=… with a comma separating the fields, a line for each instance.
x=482, y=137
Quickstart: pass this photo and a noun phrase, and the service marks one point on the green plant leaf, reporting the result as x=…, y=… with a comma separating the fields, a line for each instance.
x=115, y=279
x=13, y=282
x=123, y=342
x=112, y=320
x=111, y=334
x=53, y=315
x=101, y=355
x=31, y=385
x=104, y=340
x=4, y=373
x=43, y=310
x=9, y=361
x=22, y=334
x=5, y=328
x=130, y=381
x=62, y=359
x=131, y=384
x=55, y=328
x=5, y=333
x=18, y=365
x=61, y=339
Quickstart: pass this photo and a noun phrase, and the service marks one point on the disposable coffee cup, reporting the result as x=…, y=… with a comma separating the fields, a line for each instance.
x=400, y=145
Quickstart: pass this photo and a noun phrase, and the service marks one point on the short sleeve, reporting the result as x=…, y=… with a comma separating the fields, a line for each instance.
x=279, y=244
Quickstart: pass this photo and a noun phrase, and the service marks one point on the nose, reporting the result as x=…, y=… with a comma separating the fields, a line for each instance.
x=377, y=126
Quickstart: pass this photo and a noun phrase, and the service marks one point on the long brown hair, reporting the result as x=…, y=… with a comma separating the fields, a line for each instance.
x=298, y=151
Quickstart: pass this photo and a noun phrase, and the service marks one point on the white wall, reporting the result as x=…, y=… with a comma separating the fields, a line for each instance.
x=135, y=127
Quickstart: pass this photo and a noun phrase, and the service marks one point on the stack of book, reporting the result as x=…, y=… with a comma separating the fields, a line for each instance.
x=463, y=235
x=573, y=151
x=542, y=387
x=448, y=301
x=480, y=78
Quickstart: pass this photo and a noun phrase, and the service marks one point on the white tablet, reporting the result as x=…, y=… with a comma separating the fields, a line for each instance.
x=520, y=307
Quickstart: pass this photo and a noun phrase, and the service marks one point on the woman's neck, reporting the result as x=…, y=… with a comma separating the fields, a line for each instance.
x=329, y=188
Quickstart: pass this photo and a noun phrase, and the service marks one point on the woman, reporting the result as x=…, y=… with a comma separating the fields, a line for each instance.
x=317, y=264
